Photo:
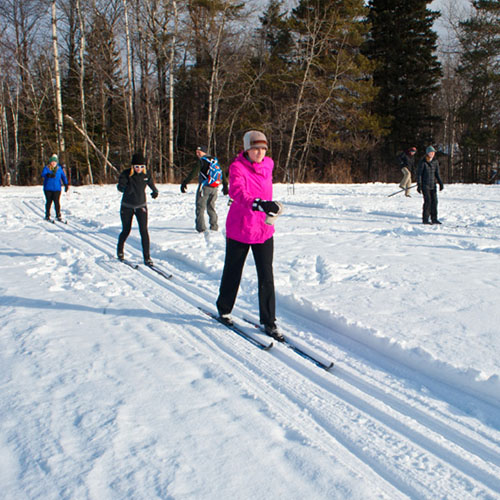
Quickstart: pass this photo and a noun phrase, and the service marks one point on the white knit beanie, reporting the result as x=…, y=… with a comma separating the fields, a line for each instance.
x=254, y=139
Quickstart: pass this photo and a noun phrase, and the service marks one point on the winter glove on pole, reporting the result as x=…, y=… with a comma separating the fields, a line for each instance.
x=154, y=194
x=66, y=187
x=419, y=189
x=441, y=187
x=225, y=189
x=183, y=188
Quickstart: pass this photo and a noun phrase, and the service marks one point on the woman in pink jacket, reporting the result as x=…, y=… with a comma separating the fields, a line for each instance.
x=249, y=225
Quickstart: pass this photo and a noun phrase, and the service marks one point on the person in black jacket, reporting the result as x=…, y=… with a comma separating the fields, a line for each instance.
x=132, y=183
x=427, y=177
x=407, y=164
x=206, y=195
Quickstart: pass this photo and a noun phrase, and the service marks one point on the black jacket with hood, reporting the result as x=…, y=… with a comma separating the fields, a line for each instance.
x=133, y=186
x=428, y=174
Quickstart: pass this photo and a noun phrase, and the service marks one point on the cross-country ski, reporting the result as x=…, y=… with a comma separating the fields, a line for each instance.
x=301, y=351
x=129, y=263
x=239, y=331
x=401, y=191
x=159, y=271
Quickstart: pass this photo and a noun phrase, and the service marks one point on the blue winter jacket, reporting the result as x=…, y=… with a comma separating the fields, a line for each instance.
x=53, y=183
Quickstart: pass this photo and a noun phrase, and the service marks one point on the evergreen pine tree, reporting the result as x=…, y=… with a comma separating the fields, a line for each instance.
x=328, y=86
x=480, y=112
x=403, y=45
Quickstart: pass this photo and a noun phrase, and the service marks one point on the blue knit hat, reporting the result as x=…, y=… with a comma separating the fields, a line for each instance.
x=430, y=149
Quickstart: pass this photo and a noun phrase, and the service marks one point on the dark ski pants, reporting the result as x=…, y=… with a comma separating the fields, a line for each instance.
x=52, y=196
x=236, y=254
x=430, y=204
x=206, y=197
x=141, y=214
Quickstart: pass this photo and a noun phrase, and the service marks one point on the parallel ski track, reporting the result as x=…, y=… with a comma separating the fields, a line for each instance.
x=433, y=454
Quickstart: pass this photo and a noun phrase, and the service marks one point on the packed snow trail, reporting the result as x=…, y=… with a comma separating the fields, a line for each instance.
x=368, y=423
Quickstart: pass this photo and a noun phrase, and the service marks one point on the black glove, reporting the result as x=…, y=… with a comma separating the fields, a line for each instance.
x=419, y=189
x=66, y=187
x=225, y=189
x=183, y=188
x=154, y=195
x=269, y=207
x=441, y=187
x=51, y=175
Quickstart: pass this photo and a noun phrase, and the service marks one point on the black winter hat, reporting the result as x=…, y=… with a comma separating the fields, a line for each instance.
x=202, y=148
x=138, y=159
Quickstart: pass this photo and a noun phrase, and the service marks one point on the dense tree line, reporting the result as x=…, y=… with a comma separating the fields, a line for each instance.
x=338, y=86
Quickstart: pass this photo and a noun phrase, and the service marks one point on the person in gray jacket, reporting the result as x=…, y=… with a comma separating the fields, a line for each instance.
x=427, y=178
x=206, y=195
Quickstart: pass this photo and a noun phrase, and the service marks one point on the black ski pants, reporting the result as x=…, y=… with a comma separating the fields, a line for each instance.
x=52, y=196
x=430, y=204
x=236, y=254
x=141, y=214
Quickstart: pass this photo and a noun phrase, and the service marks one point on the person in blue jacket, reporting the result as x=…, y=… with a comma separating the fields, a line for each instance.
x=53, y=178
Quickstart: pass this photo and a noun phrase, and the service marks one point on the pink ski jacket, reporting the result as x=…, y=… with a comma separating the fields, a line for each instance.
x=248, y=181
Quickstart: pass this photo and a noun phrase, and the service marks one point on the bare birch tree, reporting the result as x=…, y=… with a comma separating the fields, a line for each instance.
x=57, y=76
x=171, y=125
x=129, y=85
x=83, y=108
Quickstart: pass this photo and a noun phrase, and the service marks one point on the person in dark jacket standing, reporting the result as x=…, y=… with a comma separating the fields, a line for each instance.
x=427, y=177
x=407, y=165
x=132, y=183
x=206, y=195
x=53, y=177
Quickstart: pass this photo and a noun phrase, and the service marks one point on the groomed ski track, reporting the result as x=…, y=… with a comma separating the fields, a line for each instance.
x=411, y=445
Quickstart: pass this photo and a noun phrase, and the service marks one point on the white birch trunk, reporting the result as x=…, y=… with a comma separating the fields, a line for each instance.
x=170, y=172
x=14, y=106
x=130, y=88
x=83, y=109
x=4, y=137
x=60, y=126
x=213, y=82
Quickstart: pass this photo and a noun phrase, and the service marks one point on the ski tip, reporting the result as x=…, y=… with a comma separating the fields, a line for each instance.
x=128, y=263
x=162, y=273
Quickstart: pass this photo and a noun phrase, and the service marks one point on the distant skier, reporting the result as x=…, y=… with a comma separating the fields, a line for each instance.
x=427, y=177
x=132, y=183
x=407, y=164
x=53, y=178
x=249, y=224
x=206, y=194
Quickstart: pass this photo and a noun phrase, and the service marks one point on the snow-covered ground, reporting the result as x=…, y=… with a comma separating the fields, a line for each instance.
x=114, y=385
